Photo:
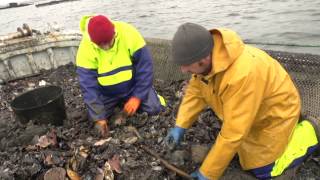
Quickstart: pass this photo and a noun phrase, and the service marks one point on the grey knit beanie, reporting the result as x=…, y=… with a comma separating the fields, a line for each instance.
x=191, y=43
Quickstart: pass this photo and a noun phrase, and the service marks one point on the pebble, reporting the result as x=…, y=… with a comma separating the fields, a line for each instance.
x=30, y=84
x=199, y=152
x=179, y=157
x=160, y=139
x=157, y=168
x=131, y=140
x=154, y=163
x=55, y=174
x=153, y=130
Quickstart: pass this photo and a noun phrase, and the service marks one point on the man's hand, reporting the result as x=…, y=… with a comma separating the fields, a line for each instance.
x=174, y=137
x=102, y=127
x=197, y=175
x=132, y=106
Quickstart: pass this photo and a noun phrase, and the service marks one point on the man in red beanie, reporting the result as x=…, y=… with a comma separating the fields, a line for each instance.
x=114, y=67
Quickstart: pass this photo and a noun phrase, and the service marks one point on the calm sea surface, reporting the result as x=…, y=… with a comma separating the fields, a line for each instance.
x=293, y=22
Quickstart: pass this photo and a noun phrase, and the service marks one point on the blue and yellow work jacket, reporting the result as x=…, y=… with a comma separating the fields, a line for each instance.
x=125, y=69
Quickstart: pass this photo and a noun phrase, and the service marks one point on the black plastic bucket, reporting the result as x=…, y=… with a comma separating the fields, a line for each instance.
x=44, y=105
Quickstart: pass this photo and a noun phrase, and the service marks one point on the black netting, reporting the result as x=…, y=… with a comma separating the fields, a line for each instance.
x=163, y=68
x=303, y=68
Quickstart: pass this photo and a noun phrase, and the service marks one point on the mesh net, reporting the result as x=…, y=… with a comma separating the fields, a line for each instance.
x=304, y=69
x=163, y=68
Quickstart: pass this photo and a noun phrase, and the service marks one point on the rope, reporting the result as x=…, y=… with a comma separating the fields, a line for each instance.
x=279, y=44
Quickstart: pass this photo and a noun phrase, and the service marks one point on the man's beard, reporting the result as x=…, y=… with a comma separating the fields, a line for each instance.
x=206, y=71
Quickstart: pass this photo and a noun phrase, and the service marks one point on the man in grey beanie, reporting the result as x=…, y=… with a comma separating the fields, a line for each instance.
x=191, y=43
x=253, y=96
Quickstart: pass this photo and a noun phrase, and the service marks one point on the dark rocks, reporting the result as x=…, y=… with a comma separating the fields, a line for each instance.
x=76, y=146
x=55, y=174
x=179, y=157
x=199, y=152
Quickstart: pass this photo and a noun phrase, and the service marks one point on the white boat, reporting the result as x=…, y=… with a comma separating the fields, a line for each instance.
x=26, y=56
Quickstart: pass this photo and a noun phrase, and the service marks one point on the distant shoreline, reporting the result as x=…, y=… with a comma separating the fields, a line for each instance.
x=39, y=4
x=14, y=5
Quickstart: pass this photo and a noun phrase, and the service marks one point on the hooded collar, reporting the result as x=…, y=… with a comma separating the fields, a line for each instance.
x=227, y=48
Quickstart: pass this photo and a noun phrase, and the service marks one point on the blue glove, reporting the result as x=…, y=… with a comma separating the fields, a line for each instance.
x=174, y=137
x=197, y=175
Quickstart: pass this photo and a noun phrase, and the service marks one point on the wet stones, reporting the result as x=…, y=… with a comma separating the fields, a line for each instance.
x=77, y=115
x=57, y=173
x=30, y=132
x=179, y=157
x=5, y=174
x=157, y=168
x=86, y=154
x=199, y=152
x=54, y=158
x=29, y=166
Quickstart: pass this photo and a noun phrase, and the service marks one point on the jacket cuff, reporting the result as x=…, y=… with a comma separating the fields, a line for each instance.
x=183, y=124
x=207, y=172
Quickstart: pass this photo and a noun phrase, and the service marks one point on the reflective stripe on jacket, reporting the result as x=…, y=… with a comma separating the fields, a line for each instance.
x=125, y=69
x=252, y=95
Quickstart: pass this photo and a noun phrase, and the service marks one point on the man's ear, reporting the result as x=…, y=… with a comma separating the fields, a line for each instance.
x=205, y=60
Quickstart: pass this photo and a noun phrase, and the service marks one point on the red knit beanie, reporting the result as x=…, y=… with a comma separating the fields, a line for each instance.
x=101, y=29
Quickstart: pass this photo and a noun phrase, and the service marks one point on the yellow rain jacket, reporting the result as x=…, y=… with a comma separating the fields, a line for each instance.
x=252, y=95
